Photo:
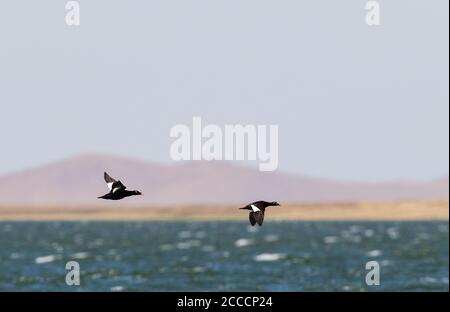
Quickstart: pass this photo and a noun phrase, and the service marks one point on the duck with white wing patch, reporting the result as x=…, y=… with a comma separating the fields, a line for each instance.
x=257, y=210
x=116, y=189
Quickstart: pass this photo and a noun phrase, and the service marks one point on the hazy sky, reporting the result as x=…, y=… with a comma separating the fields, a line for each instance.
x=352, y=102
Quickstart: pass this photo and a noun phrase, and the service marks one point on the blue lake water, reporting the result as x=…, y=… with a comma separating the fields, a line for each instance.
x=224, y=256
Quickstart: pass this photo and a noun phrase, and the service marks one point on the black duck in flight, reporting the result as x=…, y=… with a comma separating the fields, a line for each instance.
x=257, y=210
x=116, y=189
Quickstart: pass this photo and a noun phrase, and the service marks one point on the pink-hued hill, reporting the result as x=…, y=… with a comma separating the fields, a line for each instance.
x=79, y=180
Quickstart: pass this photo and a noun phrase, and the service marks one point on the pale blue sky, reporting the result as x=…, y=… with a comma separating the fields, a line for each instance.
x=352, y=102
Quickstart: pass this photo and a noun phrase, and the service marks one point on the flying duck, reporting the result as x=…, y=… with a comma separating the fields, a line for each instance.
x=257, y=209
x=116, y=189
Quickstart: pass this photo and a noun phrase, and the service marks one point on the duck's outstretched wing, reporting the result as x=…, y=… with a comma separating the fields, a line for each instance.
x=113, y=185
x=251, y=217
x=259, y=217
x=109, y=181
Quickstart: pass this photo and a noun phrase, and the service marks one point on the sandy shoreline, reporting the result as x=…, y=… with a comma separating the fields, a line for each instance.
x=392, y=211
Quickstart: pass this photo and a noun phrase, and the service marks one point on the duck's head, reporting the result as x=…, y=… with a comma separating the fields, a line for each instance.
x=274, y=204
x=137, y=193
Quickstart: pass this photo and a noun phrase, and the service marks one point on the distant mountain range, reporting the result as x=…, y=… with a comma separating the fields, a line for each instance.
x=79, y=180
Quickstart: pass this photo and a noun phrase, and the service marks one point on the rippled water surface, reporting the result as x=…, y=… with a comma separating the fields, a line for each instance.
x=228, y=256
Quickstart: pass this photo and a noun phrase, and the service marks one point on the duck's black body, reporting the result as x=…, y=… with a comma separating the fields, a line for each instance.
x=116, y=189
x=119, y=194
x=257, y=210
